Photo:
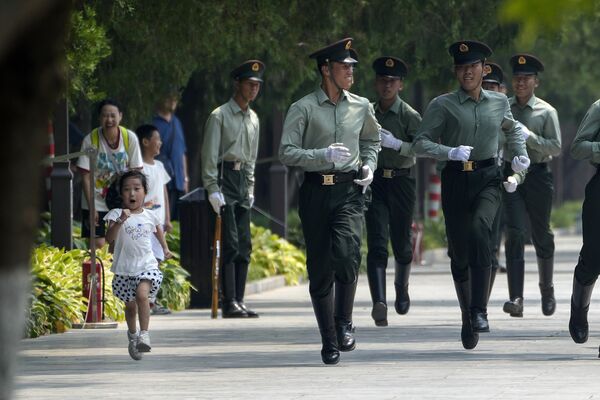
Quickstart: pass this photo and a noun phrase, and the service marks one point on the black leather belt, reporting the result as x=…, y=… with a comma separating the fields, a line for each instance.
x=469, y=166
x=234, y=165
x=329, y=178
x=390, y=173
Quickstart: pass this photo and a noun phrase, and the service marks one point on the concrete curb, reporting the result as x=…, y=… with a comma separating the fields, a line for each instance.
x=262, y=285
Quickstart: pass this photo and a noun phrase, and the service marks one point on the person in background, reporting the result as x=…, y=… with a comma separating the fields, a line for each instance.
x=229, y=152
x=173, y=150
x=532, y=200
x=157, y=198
x=118, y=151
x=390, y=214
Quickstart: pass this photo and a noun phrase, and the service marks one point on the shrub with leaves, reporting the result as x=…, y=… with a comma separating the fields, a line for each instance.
x=56, y=299
x=434, y=234
x=175, y=289
x=273, y=255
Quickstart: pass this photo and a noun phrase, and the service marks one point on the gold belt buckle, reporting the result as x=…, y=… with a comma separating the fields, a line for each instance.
x=388, y=173
x=328, y=180
x=237, y=165
x=468, y=166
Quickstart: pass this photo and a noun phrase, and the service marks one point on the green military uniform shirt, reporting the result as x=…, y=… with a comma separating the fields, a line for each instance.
x=586, y=145
x=230, y=134
x=456, y=119
x=314, y=122
x=542, y=120
x=403, y=121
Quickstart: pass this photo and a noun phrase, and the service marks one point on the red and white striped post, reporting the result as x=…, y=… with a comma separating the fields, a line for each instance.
x=435, y=194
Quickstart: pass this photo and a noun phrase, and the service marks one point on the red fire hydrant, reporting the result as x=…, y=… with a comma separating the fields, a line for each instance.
x=92, y=315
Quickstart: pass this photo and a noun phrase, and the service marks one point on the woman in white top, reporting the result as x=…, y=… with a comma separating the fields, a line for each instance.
x=137, y=277
x=118, y=151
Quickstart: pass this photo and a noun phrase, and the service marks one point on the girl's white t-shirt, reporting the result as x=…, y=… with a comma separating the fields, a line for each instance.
x=133, y=247
x=157, y=177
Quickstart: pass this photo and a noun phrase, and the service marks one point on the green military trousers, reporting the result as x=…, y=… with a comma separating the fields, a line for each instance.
x=470, y=201
x=389, y=217
x=235, y=230
x=533, y=200
x=332, y=218
x=588, y=267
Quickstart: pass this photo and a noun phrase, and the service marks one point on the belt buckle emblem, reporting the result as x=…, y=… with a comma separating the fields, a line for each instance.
x=388, y=173
x=468, y=166
x=237, y=165
x=328, y=180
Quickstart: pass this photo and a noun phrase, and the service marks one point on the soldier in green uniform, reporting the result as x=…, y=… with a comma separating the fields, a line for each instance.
x=333, y=136
x=390, y=213
x=229, y=153
x=586, y=146
x=462, y=128
x=493, y=79
x=533, y=198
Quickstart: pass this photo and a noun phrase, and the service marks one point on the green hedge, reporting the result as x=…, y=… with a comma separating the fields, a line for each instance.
x=273, y=255
x=57, y=300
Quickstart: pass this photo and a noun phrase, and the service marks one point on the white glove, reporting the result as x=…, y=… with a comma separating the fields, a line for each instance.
x=460, y=153
x=389, y=140
x=510, y=185
x=367, y=178
x=523, y=130
x=251, y=200
x=216, y=200
x=337, y=152
x=520, y=163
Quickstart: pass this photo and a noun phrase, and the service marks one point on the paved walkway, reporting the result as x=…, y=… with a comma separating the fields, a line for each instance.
x=419, y=356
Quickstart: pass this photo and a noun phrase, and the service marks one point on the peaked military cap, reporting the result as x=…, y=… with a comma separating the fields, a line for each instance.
x=469, y=51
x=526, y=64
x=390, y=66
x=251, y=69
x=338, y=51
x=493, y=73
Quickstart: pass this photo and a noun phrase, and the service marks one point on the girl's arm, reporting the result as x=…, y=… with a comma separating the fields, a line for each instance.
x=114, y=226
x=161, y=239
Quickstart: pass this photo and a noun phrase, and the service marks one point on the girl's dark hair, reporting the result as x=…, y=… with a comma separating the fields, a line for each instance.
x=133, y=174
x=108, y=102
x=145, y=131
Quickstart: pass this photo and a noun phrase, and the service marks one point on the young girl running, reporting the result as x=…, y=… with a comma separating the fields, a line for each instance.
x=137, y=277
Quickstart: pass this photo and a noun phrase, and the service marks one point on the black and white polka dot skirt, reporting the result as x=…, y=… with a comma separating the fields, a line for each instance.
x=125, y=286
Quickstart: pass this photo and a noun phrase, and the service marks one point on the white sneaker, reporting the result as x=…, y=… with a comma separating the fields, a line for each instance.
x=133, y=341
x=143, y=343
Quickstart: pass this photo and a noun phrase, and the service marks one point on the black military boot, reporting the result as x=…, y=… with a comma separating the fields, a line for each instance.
x=377, y=287
x=241, y=273
x=480, y=290
x=344, y=303
x=515, y=270
x=323, y=308
x=545, y=269
x=467, y=336
x=230, y=307
x=402, y=303
x=580, y=304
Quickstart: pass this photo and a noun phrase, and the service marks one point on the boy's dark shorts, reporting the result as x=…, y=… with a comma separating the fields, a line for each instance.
x=85, y=224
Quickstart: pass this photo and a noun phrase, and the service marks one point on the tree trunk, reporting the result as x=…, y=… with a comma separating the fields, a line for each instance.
x=32, y=58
